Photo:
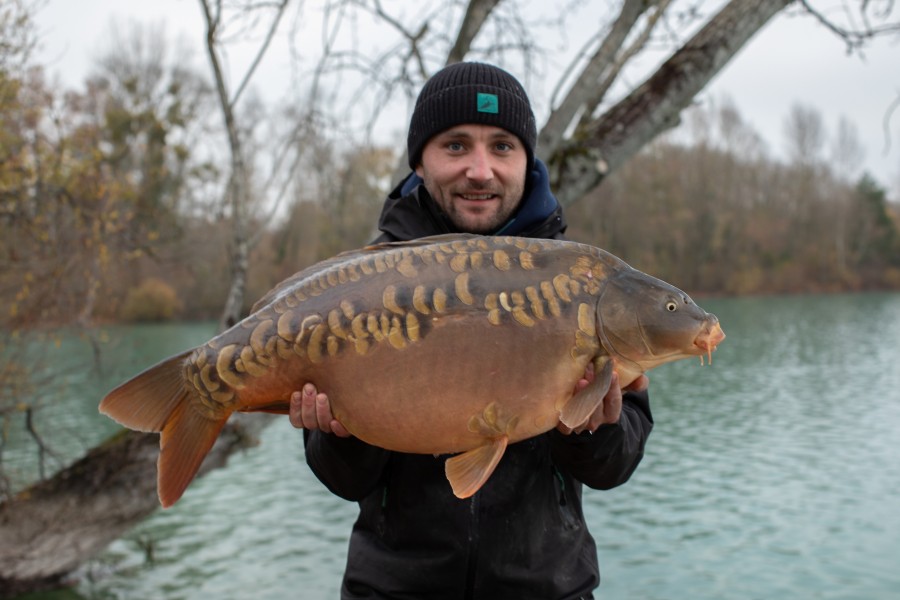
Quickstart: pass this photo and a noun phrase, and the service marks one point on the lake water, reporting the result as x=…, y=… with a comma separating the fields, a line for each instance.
x=773, y=473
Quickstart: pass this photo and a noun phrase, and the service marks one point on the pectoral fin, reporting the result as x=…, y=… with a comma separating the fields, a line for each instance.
x=582, y=405
x=468, y=471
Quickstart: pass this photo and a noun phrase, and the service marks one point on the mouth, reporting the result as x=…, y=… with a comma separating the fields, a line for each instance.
x=709, y=339
x=480, y=197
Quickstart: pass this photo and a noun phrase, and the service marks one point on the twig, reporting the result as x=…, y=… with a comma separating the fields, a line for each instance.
x=43, y=449
x=854, y=38
x=888, y=115
x=262, y=50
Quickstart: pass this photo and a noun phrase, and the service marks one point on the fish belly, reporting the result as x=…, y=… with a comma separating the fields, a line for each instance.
x=461, y=385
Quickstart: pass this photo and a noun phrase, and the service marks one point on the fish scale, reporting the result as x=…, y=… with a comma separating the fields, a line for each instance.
x=328, y=338
x=452, y=344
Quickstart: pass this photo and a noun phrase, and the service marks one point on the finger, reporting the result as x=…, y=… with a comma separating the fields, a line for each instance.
x=612, y=403
x=563, y=429
x=580, y=385
x=295, y=410
x=323, y=413
x=589, y=372
x=609, y=409
x=308, y=409
x=338, y=429
x=638, y=385
x=586, y=379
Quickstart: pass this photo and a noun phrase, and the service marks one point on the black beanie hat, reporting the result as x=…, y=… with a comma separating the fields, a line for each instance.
x=471, y=92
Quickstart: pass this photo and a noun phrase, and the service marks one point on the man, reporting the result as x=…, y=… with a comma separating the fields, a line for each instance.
x=522, y=535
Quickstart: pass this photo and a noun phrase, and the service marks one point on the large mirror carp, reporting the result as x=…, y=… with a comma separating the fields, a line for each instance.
x=446, y=345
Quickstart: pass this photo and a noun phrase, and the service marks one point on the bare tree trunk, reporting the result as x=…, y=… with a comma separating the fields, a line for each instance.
x=51, y=528
x=581, y=163
x=238, y=191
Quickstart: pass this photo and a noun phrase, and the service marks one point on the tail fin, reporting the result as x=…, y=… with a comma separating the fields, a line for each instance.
x=183, y=444
x=159, y=400
x=145, y=402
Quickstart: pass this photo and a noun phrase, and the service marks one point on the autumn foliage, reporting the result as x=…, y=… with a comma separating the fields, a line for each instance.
x=152, y=300
x=97, y=199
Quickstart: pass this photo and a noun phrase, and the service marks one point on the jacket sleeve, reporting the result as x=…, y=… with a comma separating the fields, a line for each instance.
x=607, y=458
x=349, y=467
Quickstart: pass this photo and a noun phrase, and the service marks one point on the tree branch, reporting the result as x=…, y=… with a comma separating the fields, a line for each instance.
x=593, y=72
x=413, y=38
x=477, y=14
x=597, y=96
x=583, y=161
x=43, y=449
x=262, y=50
x=888, y=115
x=853, y=38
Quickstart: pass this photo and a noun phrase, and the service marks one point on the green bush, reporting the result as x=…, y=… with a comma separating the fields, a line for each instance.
x=153, y=300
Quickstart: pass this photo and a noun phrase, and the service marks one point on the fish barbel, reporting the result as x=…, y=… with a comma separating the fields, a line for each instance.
x=450, y=344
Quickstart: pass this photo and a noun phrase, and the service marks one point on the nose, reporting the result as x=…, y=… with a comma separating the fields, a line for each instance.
x=480, y=169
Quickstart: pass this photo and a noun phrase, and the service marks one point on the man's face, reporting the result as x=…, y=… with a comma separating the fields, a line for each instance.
x=476, y=174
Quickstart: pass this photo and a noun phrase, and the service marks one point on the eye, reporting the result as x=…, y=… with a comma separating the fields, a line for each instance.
x=671, y=306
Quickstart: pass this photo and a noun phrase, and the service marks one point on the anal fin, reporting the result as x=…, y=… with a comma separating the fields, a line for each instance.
x=468, y=471
x=582, y=405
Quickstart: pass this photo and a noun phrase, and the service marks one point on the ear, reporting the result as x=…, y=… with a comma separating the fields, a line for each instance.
x=420, y=171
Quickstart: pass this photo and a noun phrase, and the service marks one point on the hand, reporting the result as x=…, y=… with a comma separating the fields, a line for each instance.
x=311, y=410
x=610, y=409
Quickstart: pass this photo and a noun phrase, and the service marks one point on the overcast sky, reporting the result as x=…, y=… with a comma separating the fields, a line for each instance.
x=791, y=61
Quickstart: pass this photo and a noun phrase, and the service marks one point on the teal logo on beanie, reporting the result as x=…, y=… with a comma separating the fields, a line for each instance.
x=488, y=103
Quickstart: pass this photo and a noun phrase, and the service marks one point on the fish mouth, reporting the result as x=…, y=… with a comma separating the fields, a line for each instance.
x=708, y=339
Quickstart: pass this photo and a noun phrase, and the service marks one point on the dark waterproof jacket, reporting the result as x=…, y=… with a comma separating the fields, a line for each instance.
x=523, y=534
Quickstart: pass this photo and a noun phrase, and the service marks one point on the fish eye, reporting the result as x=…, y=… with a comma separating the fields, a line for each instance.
x=671, y=306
